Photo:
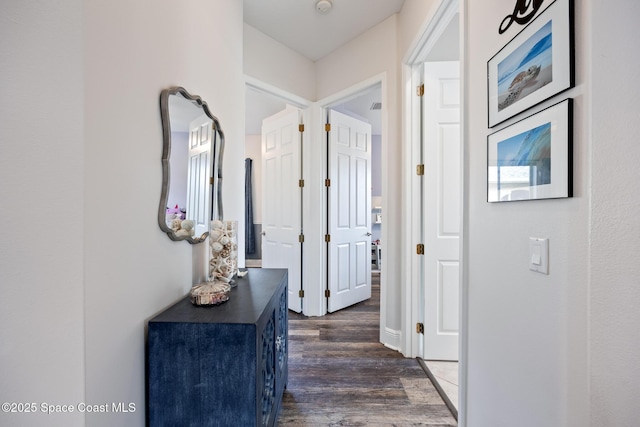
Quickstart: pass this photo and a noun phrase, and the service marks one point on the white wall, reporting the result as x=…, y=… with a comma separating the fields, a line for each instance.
x=531, y=337
x=615, y=201
x=271, y=62
x=85, y=264
x=527, y=332
x=133, y=271
x=41, y=190
x=362, y=58
x=366, y=57
x=412, y=19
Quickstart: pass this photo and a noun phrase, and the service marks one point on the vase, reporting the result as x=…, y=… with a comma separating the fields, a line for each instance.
x=223, y=246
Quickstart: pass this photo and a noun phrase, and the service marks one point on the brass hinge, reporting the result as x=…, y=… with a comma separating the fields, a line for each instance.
x=327, y=293
x=420, y=328
x=420, y=90
x=301, y=127
x=420, y=170
x=301, y=238
x=327, y=182
x=210, y=180
x=327, y=238
x=327, y=127
x=301, y=183
x=420, y=249
x=301, y=293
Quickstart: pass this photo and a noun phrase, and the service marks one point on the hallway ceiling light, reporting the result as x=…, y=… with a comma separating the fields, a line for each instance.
x=323, y=6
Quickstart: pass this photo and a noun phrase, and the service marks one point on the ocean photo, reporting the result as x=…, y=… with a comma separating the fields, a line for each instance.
x=528, y=155
x=526, y=69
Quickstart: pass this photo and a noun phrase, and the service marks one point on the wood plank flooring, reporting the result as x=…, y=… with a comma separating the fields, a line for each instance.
x=340, y=375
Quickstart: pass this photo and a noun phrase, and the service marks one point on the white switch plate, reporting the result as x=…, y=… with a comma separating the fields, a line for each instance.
x=539, y=255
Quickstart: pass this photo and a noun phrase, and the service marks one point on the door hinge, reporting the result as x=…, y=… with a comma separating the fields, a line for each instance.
x=301, y=293
x=420, y=170
x=327, y=238
x=420, y=90
x=327, y=293
x=301, y=238
x=301, y=183
x=301, y=127
x=420, y=328
x=210, y=180
x=420, y=249
x=327, y=182
x=327, y=127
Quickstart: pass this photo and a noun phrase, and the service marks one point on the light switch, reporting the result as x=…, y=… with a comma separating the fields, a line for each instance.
x=536, y=258
x=539, y=255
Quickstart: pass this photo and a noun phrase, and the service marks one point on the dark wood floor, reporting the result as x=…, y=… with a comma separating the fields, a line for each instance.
x=340, y=374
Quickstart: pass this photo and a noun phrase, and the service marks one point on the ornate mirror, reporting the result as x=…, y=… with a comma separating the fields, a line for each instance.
x=193, y=143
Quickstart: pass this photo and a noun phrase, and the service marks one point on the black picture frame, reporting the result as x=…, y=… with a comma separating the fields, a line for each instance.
x=532, y=158
x=535, y=65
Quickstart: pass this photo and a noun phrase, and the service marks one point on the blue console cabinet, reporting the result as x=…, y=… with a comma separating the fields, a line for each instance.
x=224, y=365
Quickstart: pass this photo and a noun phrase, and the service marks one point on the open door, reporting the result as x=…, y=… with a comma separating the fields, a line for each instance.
x=442, y=209
x=282, y=198
x=349, y=211
x=199, y=173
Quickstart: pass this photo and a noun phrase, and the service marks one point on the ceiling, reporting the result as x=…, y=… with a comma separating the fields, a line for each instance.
x=298, y=25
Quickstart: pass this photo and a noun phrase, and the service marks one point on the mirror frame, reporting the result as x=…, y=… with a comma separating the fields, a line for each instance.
x=216, y=164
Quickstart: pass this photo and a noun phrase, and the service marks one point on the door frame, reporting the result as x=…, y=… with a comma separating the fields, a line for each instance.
x=389, y=337
x=412, y=122
x=312, y=249
x=280, y=237
x=439, y=247
x=357, y=291
x=314, y=116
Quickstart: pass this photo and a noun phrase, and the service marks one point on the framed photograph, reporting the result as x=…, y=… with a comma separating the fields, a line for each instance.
x=531, y=159
x=535, y=65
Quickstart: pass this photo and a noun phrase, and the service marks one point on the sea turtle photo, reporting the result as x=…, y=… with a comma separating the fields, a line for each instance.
x=518, y=83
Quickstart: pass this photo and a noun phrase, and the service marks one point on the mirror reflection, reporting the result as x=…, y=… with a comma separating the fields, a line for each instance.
x=191, y=163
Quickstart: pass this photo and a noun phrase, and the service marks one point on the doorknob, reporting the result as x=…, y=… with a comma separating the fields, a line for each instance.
x=368, y=234
x=264, y=233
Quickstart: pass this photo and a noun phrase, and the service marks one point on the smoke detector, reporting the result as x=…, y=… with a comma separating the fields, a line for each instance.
x=323, y=6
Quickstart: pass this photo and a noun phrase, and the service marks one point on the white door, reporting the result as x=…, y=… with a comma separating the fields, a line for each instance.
x=199, y=174
x=281, y=199
x=349, y=206
x=442, y=209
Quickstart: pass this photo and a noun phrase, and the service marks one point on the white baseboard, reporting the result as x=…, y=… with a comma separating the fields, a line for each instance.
x=391, y=339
